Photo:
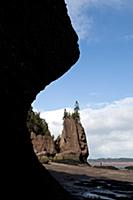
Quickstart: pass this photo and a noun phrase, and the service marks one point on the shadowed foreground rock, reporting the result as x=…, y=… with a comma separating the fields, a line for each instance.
x=38, y=45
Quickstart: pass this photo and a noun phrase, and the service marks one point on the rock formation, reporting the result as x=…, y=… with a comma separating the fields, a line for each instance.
x=72, y=144
x=43, y=144
x=44, y=147
x=38, y=45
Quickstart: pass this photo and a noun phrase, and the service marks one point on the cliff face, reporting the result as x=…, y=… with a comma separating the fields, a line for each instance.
x=38, y=45
x=69, y=139
x=82, y=142
x=72, y=143
x=43, y=144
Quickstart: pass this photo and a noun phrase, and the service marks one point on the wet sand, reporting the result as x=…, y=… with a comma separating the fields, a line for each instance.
x=85, y=182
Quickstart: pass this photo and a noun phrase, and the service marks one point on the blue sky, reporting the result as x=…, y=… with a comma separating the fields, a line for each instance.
x=103, y=76
x=105, y=68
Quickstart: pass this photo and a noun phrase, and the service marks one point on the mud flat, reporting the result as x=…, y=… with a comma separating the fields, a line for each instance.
x=85, y=182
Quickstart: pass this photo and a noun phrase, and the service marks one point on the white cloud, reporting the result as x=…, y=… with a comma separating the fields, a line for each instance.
x=81, y=19
x=55, y=120
x=109, y=129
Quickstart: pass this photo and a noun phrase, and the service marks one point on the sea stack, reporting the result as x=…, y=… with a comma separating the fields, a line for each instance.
x=72, y=143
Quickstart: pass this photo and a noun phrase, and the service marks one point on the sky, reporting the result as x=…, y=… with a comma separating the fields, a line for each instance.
x=101, y=80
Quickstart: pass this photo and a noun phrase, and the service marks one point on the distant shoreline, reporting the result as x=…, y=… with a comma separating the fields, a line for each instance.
x=118, y=163
x=111, y=159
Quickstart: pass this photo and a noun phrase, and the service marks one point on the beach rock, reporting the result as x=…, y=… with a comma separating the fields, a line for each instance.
x=43, y=159
x=72, y=143
x=38, y=44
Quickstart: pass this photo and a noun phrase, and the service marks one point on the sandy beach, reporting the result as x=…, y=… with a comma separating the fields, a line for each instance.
x=85, y=182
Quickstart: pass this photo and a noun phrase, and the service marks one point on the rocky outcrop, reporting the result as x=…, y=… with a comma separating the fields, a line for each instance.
x=43, y=144
x=38, y=45
x=72, y=143
x=82, y=142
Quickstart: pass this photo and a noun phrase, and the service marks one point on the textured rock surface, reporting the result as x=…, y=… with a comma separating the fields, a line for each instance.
x=82, y=142
x=72, y=143
x=38, y=45
x=43, y=144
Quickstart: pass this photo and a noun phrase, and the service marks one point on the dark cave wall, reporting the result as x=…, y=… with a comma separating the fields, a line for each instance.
x=38, y=44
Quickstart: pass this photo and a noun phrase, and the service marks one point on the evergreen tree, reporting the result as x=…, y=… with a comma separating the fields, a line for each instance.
x=65, y=114
x=36, y=124
x=75, y=114
x=76, y=107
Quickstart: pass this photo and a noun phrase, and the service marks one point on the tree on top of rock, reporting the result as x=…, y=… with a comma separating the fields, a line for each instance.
x=65, y=114
x=76, y=114
x=76, y=108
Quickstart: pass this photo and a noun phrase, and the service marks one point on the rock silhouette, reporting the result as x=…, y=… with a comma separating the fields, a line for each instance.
x=38, y=44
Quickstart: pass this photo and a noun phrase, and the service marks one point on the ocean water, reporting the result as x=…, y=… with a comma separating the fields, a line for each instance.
x=119, y=165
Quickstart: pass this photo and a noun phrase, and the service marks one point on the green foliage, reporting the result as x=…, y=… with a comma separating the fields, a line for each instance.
x=36, y=124
x=76, y=107
x=44, y=159
x=75, y=114
x=65, y=114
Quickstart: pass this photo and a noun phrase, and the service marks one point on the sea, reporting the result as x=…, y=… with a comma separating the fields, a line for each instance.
x=117, y=164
